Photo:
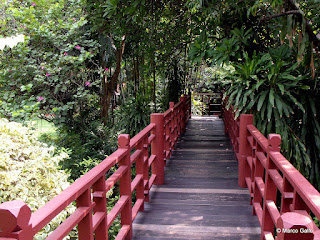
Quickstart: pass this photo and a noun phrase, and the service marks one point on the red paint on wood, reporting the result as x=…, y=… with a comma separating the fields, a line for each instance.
x=100, y=209
x=14, y=216
x=157, y=147
x=261, y=163
x=294, y=226
x=244, y=149
x=125, y=183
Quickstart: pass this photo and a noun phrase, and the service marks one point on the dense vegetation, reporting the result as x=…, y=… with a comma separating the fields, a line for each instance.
x=274, y=49
x=29, y=171
x=98, y=68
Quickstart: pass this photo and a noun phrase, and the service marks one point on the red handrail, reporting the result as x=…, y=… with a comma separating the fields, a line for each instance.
x=89, y=191
x=269, y=175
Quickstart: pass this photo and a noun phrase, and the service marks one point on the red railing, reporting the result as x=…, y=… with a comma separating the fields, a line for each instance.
x=282, y=198
x=89, y=191
x=212, y=101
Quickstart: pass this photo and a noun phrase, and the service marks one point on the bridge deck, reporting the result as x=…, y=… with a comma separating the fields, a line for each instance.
x=200, y=198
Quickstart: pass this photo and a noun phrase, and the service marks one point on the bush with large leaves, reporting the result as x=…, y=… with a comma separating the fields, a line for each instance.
x=133, y=115
x=269, y=86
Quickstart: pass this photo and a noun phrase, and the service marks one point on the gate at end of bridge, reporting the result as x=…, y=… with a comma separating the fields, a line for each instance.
x=283, y=200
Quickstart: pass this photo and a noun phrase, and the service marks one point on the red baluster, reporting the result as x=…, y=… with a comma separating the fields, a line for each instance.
x=183, y=110
x=270, y=192
x=157, y=147
x=125, y=183
x=85, y=229
x=99, y=197
x=244, y=148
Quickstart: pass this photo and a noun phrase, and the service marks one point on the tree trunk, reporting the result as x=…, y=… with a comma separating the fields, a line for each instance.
x=154, y=84
x=109, y=86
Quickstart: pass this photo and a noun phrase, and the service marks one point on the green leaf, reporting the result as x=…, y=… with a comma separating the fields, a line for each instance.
x=286, y=110
x=305, y=87
x=261, y=99
x=295, y=101
x=271, y=97
x=279, y=104
x=238, y=97
x=269, y=113
x=313, y=106
x=281, y=87
x=259, y=83
x=251, y=104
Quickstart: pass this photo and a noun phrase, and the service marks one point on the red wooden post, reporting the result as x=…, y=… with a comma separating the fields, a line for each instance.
x=125, y=183
x=244, y=149
x=286, y=202
x=140, y=169
x=14, y=220
x=226, y=121
x=209, y=105
x=190, y=106
x=298, y=202
x=171, y=127
x=294, y=226
x=145, y=156
x=270, y=192
x=157, y=147
x=203, y=109
x=167, y=122
x=171, y=105
x=85, y=229
x=99, y=197
x=179, y=117
x=183, y=114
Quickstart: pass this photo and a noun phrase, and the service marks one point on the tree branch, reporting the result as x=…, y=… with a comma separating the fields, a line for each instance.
x=297, y=11
x=312, y=36
x=267, y=18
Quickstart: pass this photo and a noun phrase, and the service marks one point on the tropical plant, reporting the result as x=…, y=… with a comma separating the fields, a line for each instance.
x=133, y=115
x=269, y=86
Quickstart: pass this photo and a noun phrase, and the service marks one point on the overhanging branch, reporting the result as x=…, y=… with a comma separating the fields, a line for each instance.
x=312, y=36
x=297, y=11
x=267, y=18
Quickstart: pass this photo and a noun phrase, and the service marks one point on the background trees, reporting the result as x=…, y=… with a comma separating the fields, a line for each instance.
x=92, y=63
x=273, y=48
x=98, y=68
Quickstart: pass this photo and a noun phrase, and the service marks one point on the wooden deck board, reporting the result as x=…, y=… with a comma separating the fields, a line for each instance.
x=200, y=198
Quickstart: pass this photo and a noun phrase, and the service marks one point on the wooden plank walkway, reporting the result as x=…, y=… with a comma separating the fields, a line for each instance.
x=200, y=198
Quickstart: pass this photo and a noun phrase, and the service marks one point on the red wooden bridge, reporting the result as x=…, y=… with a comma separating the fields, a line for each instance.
x=190, y=182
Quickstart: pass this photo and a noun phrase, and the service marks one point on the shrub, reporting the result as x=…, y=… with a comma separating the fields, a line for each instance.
x=29, y=171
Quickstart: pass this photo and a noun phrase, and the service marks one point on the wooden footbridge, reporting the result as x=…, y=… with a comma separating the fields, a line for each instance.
x=189, y=181
x=200, y=197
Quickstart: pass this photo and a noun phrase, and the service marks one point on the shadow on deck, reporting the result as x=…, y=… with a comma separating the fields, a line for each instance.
x=200, y=198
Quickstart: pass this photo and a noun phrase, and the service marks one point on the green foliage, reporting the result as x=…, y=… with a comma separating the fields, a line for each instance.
x=29, y=171
x=198, y=107
x=55, y=72
x=279, y=84
x=133, y=115
x=200, y=49
x=89, y=144
x=269, y=85
x=48, y=72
